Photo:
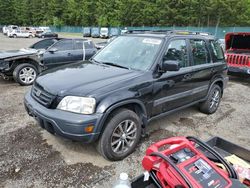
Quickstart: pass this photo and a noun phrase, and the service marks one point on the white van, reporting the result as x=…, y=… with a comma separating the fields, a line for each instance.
x=104, y=32
x=9, y=29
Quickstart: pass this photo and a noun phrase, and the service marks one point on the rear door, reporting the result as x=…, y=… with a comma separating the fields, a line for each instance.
x=90, y=49
x=59, y=54
x=84, y=49
x=203, y=68
x=78, y=50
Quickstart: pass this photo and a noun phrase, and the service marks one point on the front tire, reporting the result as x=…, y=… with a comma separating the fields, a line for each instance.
x=211, y=105
x=121, y=135
x=25, y=74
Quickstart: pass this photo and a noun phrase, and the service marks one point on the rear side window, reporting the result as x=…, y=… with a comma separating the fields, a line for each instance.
x=64, y=45
x=199, y=52
x=78, y=44
x=177, y=51
x=217, y=51
x=87, y=44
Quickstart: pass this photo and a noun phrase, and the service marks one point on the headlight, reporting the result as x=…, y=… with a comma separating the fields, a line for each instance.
x=4, y=64
x=82, y=105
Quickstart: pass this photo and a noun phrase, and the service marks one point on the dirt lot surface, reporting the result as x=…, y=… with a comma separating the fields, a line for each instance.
x=31, y=157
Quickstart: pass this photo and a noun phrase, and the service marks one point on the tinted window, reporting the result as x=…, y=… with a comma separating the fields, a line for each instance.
x=199, y=52
x=44, y=44
x=177, y=51
x=87, y=44
x=216, y=50
x=79, y=44
x=64, y=45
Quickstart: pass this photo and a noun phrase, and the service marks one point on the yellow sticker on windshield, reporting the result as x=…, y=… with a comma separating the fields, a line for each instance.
x=152, y=41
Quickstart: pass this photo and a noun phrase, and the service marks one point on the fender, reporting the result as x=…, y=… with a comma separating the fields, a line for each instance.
x=120, y=104
x=33, y=57
x=19, y=60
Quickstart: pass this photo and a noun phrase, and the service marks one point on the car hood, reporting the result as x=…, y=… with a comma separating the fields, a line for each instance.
x=83, y=78
x=15, y=53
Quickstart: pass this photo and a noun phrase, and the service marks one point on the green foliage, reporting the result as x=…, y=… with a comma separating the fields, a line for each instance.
x=126, y=12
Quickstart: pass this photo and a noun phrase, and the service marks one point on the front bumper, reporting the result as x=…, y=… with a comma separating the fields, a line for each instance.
x=66, y=124
x=240, y=70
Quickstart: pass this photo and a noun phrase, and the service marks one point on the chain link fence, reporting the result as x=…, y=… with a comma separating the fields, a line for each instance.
x=219, y=32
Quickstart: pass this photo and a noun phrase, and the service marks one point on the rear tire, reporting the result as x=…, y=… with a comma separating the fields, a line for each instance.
x=120, y=136
x=25, y=74
x=212, y=103
x=14, y=36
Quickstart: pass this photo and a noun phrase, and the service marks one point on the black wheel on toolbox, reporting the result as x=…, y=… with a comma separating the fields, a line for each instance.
x=25, y=74
x=212, y=103
x=121, y=135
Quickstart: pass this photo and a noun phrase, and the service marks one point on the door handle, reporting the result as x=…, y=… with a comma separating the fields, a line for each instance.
x=69, y=54
x=187, y=77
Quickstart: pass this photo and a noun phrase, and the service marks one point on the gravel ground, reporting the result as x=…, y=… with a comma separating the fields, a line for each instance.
x=31, y=157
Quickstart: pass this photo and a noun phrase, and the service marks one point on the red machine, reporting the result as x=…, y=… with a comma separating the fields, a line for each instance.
x=182, y=164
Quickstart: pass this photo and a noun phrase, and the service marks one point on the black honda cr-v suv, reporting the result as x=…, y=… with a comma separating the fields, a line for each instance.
x=111, y=98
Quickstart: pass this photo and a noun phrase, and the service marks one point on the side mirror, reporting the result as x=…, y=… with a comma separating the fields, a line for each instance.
x=170, y=65
x=53, y=50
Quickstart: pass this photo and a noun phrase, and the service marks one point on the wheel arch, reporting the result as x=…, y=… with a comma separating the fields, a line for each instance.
x=16, y=62
x=219, y=82
x=134, y=105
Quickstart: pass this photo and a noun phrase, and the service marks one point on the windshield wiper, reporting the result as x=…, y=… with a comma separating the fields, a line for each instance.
x=92, y=59
x=113, y=64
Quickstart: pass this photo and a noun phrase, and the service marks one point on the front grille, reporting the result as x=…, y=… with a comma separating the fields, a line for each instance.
x=238, y=60
x=42, y=96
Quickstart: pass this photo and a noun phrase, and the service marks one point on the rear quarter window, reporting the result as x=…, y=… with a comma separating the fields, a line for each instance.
x=217, y=52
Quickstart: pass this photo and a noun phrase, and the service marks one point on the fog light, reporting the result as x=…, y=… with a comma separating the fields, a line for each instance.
x=89, y=129
x=248, y=71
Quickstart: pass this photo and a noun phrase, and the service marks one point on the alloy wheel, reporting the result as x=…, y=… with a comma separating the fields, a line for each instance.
x=27, y=75
x=124, y=136
x=214, y=102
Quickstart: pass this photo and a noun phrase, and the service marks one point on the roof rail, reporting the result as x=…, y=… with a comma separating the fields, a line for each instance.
x=169, y=32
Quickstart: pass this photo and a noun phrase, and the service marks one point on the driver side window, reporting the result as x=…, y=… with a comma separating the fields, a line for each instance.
x=177, y=51
x=64, y=45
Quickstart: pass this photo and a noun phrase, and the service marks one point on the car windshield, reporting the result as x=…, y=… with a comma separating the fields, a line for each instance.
x=132, y=52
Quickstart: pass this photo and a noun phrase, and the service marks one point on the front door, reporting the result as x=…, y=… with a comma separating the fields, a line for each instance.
x=174, y=88
x=58, y=54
